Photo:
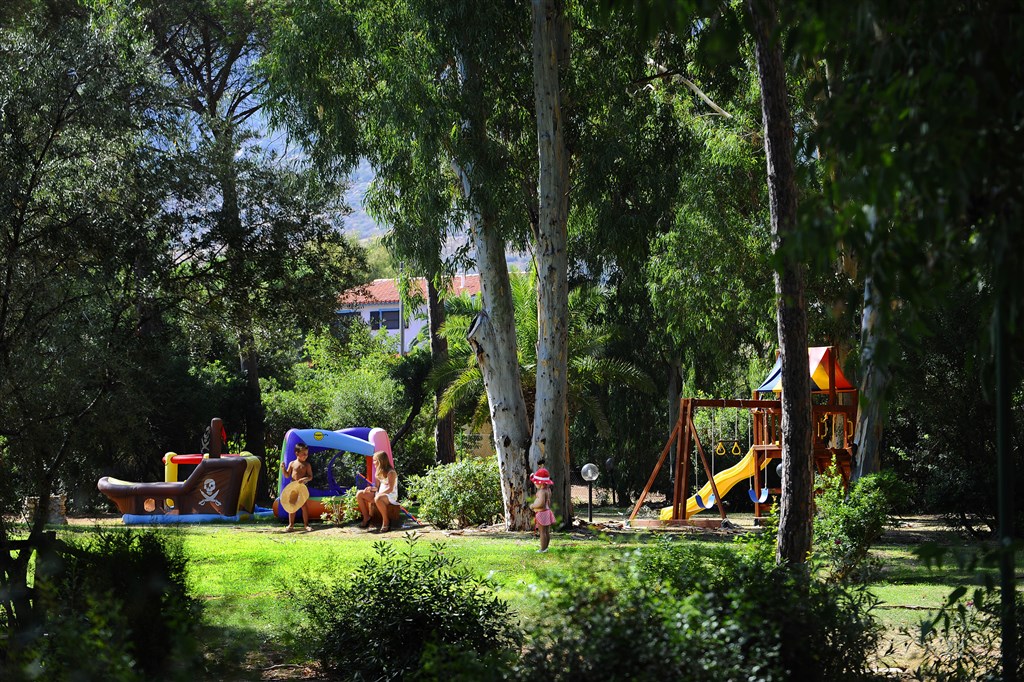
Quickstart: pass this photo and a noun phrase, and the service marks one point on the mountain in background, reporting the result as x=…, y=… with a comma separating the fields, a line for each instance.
x=361, y=227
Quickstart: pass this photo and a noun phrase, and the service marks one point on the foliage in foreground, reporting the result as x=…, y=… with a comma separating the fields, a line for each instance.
x=678, y=611
x=377, y=623
x=962, y=640
x=115, y=606
x=461, y=494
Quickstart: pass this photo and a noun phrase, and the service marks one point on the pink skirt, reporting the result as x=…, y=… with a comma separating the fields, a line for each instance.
x=545, y=517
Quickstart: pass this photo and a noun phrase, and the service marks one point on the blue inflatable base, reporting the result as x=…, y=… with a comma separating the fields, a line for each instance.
x=159, y=519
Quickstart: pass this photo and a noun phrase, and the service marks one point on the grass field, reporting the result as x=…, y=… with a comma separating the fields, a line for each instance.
x=246, y=573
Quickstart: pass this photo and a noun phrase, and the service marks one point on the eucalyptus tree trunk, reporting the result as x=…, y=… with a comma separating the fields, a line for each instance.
x=493, y=333
x=873, y=383
x=493, y=339
x=549, y=447
x=444, y=430
x=795, y=520
x=230, y=223
x=255, y=413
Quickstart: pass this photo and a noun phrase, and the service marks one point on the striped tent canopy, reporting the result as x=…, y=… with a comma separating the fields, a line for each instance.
x=818, y=358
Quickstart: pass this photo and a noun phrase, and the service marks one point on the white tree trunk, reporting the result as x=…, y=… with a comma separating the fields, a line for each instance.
x=873, y=383
x=550, y=411
x=493, y=338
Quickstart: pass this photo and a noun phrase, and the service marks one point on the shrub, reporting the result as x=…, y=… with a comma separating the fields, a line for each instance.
x=846, y=526
x=377, y=623
x=118, y=608
x=677, y=611
x=148, y=573
x=87, y=645
x=604, y=626
x=465, y=493
x=415, y=452
x=762, y=545
x=342, y=509
x=364, y=397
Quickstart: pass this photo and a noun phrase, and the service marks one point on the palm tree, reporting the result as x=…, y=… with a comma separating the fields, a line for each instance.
x=588, y=368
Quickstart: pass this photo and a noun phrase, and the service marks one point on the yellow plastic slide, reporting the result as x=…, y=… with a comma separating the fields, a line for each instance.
x=724, y=480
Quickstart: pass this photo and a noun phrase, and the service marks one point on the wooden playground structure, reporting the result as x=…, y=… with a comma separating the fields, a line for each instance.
x=833, y=424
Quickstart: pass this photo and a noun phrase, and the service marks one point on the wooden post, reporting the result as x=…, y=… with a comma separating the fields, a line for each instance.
x=832, y=376
x=216, y=446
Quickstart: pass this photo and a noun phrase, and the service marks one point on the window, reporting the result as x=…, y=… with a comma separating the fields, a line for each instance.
x=385, y=318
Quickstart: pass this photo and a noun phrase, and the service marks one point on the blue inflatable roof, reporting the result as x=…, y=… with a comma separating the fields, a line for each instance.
x=323, y=439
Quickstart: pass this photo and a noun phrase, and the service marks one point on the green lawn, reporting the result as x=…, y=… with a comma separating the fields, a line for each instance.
x=246, y=573
x=244, y=576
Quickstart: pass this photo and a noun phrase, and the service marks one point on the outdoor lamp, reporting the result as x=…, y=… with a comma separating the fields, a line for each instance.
x=589, y=473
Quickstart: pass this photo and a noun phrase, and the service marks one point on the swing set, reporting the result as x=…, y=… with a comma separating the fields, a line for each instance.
x=833, y=412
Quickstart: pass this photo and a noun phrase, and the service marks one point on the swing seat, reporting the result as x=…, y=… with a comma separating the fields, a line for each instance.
x=754, y=497
x=710, y=503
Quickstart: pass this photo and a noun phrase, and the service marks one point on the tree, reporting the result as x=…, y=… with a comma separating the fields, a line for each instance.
x=550, y=419
x=444, y=429
x=79, y=189
x=441, y=134
x=795, y=520
x=924, y=186
x=707, y=272
x=264, y=250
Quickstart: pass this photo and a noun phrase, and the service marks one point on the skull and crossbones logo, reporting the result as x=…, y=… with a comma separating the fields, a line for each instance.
x=209, y=493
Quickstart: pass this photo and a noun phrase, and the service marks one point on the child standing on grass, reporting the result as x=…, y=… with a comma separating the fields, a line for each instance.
x=544, y=517
x=301, y=471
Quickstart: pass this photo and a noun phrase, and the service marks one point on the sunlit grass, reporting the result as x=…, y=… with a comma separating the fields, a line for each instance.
x=246, y=575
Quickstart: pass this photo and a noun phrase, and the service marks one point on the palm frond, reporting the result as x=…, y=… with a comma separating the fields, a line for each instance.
x=524, y=299
x=586, y=301
x=590, y=371
x=590, y=406
x=464, y=305
x=455, y=328
x=482, y=413
x=466, y=386
x=587, y=341
x=444, y=373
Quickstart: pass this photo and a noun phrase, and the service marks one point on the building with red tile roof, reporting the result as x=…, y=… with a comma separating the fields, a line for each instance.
x=377, y=304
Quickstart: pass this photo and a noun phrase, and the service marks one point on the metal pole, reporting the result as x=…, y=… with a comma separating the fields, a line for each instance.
x=590, y=501
x=401, y=314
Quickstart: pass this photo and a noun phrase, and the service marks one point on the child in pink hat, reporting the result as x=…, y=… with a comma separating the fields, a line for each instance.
x=544, y=517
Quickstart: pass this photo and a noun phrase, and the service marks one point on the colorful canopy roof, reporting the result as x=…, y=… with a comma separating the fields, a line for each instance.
x=818, y=358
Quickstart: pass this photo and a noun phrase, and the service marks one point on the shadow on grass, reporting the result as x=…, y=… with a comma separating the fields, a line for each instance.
x=240, y=654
